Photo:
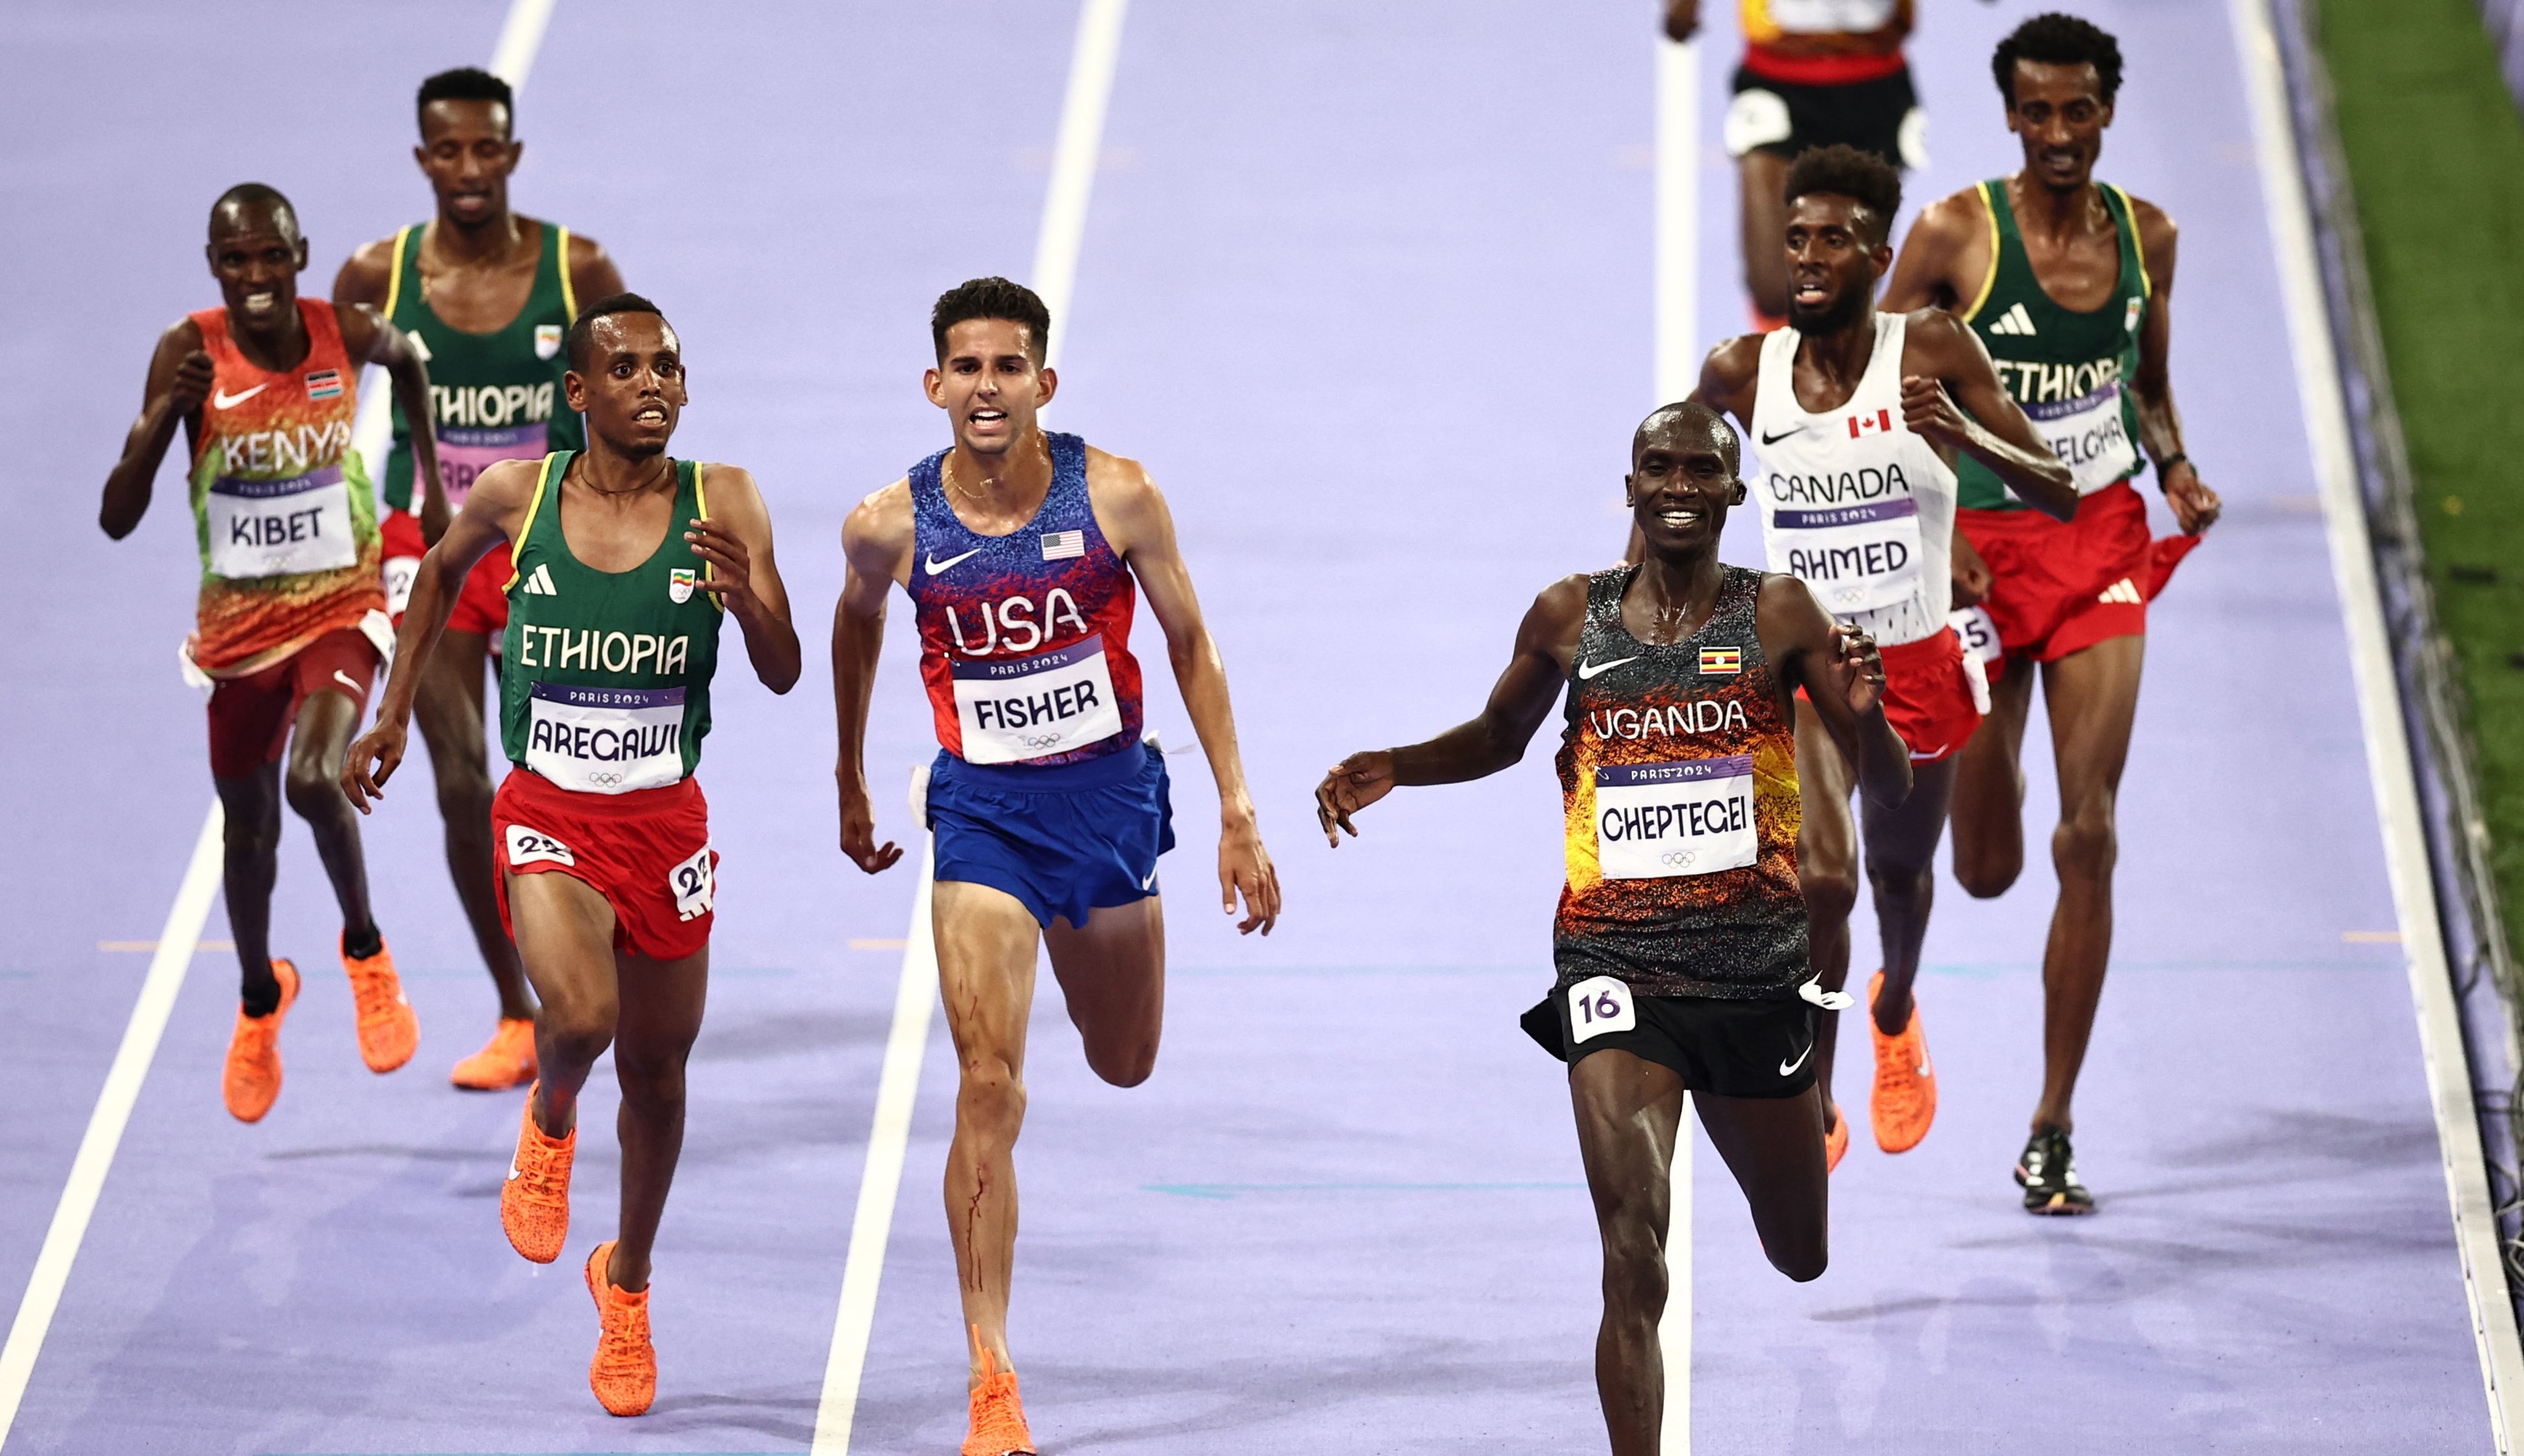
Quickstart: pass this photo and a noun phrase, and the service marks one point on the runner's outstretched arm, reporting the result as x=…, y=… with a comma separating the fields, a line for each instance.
x=735, y=541
x=1537, y=673
x=491, y=514
x=1843, y=675
x=1134, y=517
x=876, y=541
x=365, y=334
x=2159, y=424
x=180, y=379
x=1989, y=428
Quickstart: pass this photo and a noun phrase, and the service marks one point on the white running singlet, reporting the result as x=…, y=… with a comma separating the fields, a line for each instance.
x=1852, y=502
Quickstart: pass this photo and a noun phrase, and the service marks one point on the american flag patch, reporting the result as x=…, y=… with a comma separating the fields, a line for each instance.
x=1720, y=659
x=325, y=384
x=1063, y=545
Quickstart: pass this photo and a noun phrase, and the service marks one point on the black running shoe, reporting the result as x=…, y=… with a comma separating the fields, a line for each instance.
x=2048, y=1170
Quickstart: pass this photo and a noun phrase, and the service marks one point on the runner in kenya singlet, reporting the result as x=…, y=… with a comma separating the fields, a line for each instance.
x=281, y=504
x=497, y=395
x=2071, y=372
x=1678, y=782
x=607, y=687
x=1025, y=638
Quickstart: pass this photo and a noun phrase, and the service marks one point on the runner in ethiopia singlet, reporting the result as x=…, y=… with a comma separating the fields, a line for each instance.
x=1678, y=782
x=281, y=504
x=1025, y=638
x=497, y=397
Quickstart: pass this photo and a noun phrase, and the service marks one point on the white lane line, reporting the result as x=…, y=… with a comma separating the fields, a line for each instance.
x=1074, y=157
x=113, y=1113
x=2379, y=708
x=1678, y=369
x=1093, y=56
x=914, y=993
x=522, y=37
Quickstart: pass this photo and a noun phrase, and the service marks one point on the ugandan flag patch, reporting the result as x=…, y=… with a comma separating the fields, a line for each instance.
x=1717, y=660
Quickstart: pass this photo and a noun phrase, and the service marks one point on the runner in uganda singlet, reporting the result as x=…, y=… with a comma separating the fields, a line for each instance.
x=1851, y=500
x=606, y=688
x=1679, y=778
x=1025, y=638
x=281, y=504
x=497, y=395
x=2071, y=372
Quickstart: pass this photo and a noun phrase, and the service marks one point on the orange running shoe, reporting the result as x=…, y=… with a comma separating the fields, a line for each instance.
x=624, y=1372
x=1905, y=1100
x=506, y=1060
x=251, y=1082
x=998, y=1422
x=1835, y=1144
x=388, y=1031
x=534, y=1203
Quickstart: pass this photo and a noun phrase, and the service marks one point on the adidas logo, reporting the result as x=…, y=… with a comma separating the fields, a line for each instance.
x=539, y=582
x=2013, y=322
x=2121, y=591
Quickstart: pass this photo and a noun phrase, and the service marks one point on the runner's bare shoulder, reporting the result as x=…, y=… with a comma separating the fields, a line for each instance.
x=1941, y=247
x=877, y=534
x=367, y=274
x=1729, y=372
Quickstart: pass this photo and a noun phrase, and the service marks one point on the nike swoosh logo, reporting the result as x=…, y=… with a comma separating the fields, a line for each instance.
x=1771, y=439
x=514, y=1175
x=935, y=565
x=1919, y=757
x=222, y=400
x=1789, y=1069
x=1587, y=671
x=1151, y=881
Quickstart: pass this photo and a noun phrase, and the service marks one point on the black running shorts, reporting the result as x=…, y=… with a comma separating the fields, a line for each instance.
x=1733, y=1049
x=1880, y=115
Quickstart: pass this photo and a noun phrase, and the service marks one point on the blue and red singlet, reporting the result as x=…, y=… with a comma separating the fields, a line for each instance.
x=1025, y=638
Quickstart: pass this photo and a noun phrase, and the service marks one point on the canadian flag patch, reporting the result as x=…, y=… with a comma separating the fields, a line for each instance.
x=1860, y=424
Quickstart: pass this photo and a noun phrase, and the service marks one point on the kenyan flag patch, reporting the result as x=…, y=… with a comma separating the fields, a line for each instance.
x=325, y=384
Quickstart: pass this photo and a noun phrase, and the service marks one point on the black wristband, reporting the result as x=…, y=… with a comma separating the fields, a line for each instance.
x=2178, y=457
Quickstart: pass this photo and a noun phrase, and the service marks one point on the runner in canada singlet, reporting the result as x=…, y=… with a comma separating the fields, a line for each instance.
x=1025, y=638
x=281, y=504
x=1679, y=781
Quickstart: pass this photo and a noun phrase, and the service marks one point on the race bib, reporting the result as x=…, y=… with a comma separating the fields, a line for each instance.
x=400, y=573
x=606, y=740
x=1830, y=16
x=280, y=527
x=2090, y=435
x=1978, y=632
x=529, y=846
x=1600, y=1004
x=1856, y=557
x=465, y=454
x=695, y=886
x=1032, y=708
x=1654, y=821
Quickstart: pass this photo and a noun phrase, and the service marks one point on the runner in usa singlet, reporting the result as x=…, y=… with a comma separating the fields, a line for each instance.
x=607, y=677
x=1025, y=638
x=1678, y=782
x=281, y=504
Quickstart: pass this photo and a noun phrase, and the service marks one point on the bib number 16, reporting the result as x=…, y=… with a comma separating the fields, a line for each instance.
x=1600, y=1004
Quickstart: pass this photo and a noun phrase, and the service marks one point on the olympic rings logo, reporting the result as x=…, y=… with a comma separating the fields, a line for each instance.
x=606, y=780
x=1678, y=858
x=1040, y=740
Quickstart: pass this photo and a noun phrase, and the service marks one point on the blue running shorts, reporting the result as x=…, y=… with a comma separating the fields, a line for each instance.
x=1064, y=839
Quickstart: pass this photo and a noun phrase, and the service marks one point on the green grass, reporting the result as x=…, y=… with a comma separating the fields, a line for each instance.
x=2436, y=155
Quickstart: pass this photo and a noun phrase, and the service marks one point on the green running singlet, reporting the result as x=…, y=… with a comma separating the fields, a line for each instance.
x=497, y=395
x=606, y=682
x=2071, y=372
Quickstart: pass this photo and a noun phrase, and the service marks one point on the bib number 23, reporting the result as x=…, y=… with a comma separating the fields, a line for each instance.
x=694, y=885
x=1600, y=1004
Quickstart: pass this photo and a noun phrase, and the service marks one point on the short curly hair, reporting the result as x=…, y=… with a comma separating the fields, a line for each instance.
x=1862, y=178
x=2055, y=39
x=991, y=298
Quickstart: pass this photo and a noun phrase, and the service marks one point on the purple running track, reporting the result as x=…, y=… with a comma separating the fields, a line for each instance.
x=1368, y=293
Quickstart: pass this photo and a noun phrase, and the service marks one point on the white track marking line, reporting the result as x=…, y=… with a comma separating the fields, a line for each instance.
x=2379, y=708
x=521, y=36
x=1074, y=157
x=872, y=1223
x=1092, y=61
x=113, y=1113
x=1677, y=369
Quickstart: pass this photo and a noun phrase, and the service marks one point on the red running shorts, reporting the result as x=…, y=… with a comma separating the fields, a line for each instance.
x=2060, y=587
x=647, y=853
x=481, y=606
x=1929, y=695
x=250, y=715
